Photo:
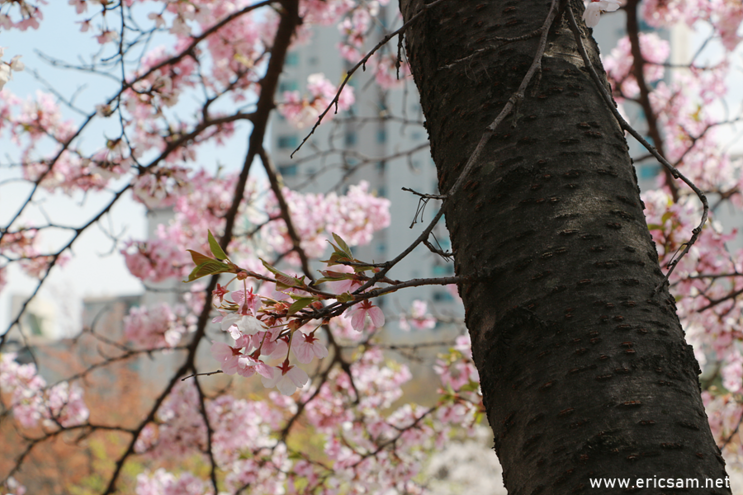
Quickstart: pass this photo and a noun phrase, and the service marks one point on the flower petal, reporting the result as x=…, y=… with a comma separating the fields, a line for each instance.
x=377, y=316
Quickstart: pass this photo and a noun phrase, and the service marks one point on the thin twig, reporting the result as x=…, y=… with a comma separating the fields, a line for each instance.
x=362, y=63
x=512, y=102
x=625, y=126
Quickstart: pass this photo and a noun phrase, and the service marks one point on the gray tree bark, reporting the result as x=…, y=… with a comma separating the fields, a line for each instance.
x=584, y=369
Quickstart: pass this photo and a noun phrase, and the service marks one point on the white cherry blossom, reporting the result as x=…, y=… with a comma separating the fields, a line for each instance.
x=593, y=11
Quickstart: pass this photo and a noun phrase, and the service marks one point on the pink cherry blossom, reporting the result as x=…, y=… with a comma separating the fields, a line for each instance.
x=286, y=378
x=306, y=347
x=359, y=313
x=220, y=292
x=419, y=318
x=247, y=300
x=302, y=112
x=162, y=482
x=227, y=356
x=344, y=285
x=158, y=326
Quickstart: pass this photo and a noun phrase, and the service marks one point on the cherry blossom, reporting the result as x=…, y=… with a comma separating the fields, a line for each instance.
x=593, y=11
x=343, y=285
x=248, y=301
x=359, y=313
x=306, y=347
x=33, y=403
x=6, y=68
x=419, y=318
x=303, y=112
x=158, y=326
x=286, y=378
x=227, y=356
x=247, y=324
x=351, y=408
x=162, y=482
x=354, y=216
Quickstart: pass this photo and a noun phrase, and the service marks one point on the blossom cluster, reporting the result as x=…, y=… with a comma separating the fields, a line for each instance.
x=263, y=332
x=34, y=403
x=23, y=246
x=314, y=342
x=21, y=14
x=367, y=450
x=724, y=15
x=158, y=326
x=354, y=216
x=702, y=283
x=418, y=318
x=302, y=112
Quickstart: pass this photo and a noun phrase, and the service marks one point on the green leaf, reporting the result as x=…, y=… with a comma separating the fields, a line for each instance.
x=210, y=267
x=470, y=387
x=300, y=304
x=336, y=258
x=331, y=275
x=654, y=226
x=666, y=216
x=215, y=247
x=345, y=297
x=342, y=245
x=362, y=269
x=282, y=278
x=198, y=258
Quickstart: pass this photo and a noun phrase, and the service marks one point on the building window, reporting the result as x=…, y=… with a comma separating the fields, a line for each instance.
x=288, y=170
x=443, y=270
x=292, y=59
x=288, y=85
x=350, y=138
x=382, y=192
x=381, y=136
x=288, y=142
x=313, y=60
x=380, y=166
x=648, y=171
x=442, y=296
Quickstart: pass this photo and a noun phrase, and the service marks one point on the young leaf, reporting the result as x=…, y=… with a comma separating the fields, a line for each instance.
x=342, y=244
x=332, y=275
x=345, y=297
x=282, y=278
x=215, y=247
x=300, y=303
x=198, y=258
x=336, y=257
x=210, y=267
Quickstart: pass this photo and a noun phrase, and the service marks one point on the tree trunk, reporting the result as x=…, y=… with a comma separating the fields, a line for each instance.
x=585, y=372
